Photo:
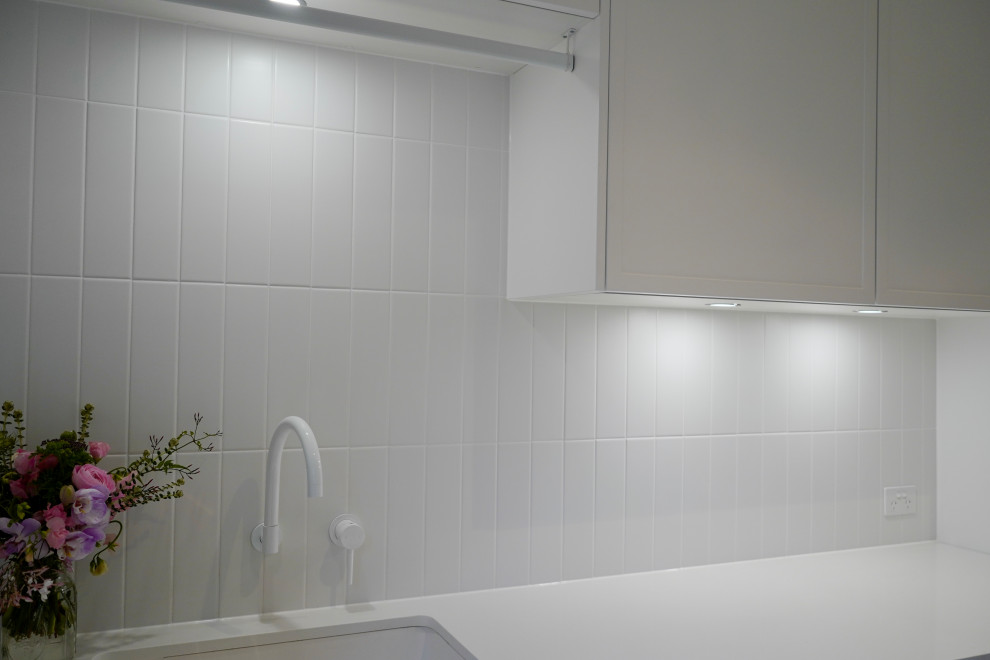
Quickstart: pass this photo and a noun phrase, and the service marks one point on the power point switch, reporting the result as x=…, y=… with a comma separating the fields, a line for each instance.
x=900, y=500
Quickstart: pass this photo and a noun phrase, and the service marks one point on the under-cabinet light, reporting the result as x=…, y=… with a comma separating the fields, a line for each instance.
x=723, y=305
x=871, y=311
x=295, y=3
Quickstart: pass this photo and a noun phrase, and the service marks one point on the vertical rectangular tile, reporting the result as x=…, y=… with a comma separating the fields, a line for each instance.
x=751, y=372
x=18, y=45
x=726, y=357
x=776, y=384
x=59, y=172
x=106, y=336
x=411, y=217
x=824, y=503
x=283, y=580
x=696, y=547
x=579, y=372
x=161, y=61
x=249, y=203
x=871, y=393
x=641, y=373
x=16, y=133
x=412, y=100
x=445, y=374
x=207, y=73
x=288, y=354
x=846, y=490
x=723, y=525
x=109, y=208
x=847, y=385
x=482, y=230
x=148, y=555
x=749, y=492
x=326, y=565
x=335, y=71
x=14, y=291
x=200, y=354
x=487, y=104
x=671, y=367
x=515, y=373
x=913, y=373
x=369, y=368
x=639, y=499
x=245, y=367
x=372, y=212
x=374, y=94
x=406, y=521
x=799, y=509
x=292, y=205
x=668, y=525
x=52, y=404
x=329, y=356
x=547, y=513
x=870, y=487
x=892, y=374
x=448, y=196
x=333, y=205
x=251, y=64
x=157, y=195
x=479, y=489
x=295, y=84
x=512, y=520
x=367, y=488
x=548, y=372
x=113, y=58
x=610, y=372
x=824, y=375
x=892, y=474
x=63, y=43
x=195, y=587
x=774, y=495
x=443, y=519
x=481, y=369
x=802, y=364
x=154, y=359
x=579, y=509
x=450, y=95
x=609, y=536
x=408, y=368
x=241, y=509
x=697, y=378
x=204, y=199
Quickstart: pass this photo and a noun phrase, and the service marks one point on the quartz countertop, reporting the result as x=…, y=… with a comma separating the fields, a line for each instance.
x=917, y=601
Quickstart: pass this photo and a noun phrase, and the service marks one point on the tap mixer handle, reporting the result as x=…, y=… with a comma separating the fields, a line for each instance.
x=346, y=531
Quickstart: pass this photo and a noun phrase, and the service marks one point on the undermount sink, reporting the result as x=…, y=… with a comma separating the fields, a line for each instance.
x=407, y=638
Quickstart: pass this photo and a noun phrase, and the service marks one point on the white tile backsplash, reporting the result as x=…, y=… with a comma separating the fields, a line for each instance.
x=200, y=221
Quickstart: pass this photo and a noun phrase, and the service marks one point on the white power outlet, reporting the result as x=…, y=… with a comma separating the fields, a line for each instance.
x=900, y=500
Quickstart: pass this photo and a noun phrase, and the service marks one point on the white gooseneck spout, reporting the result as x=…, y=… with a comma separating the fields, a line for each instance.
x=265, y=537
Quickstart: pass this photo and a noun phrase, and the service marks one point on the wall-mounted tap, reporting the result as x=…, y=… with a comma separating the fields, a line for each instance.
x=265, y=537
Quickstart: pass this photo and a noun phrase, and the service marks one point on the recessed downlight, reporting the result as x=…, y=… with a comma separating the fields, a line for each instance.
x=723, y=305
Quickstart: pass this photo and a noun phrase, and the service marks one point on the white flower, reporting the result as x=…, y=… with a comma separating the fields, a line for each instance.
x=45, y=589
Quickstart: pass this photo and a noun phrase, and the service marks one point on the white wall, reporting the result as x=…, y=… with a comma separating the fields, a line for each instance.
x=964, y=436
x=200, y=221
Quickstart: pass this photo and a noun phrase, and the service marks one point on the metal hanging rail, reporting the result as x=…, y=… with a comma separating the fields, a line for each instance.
x=371, y=27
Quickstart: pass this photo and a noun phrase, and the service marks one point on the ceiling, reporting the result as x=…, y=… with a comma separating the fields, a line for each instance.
x=498, y=20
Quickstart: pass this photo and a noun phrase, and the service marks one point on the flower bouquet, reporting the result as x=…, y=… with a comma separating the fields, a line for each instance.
x=58, y=507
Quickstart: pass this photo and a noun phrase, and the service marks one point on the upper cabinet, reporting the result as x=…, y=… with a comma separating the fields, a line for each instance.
x=716, y=149
x=933, y=205
x=587, y=8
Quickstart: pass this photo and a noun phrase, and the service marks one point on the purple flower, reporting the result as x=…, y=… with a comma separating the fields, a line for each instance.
x=90, y=507
x=20, y=534
x=81, y=543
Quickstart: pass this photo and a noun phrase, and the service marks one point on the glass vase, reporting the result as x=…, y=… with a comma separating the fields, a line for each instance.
x=44, y=627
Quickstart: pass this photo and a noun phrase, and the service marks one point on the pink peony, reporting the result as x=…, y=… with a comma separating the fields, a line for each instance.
x=90, y=476
x=98, y=450
x=24, y=462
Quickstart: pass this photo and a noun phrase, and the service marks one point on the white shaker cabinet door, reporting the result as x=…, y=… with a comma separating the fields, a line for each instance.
x=933, y=199
x=741, y=149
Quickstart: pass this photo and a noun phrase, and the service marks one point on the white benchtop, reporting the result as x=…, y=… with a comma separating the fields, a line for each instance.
x=919, y=601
